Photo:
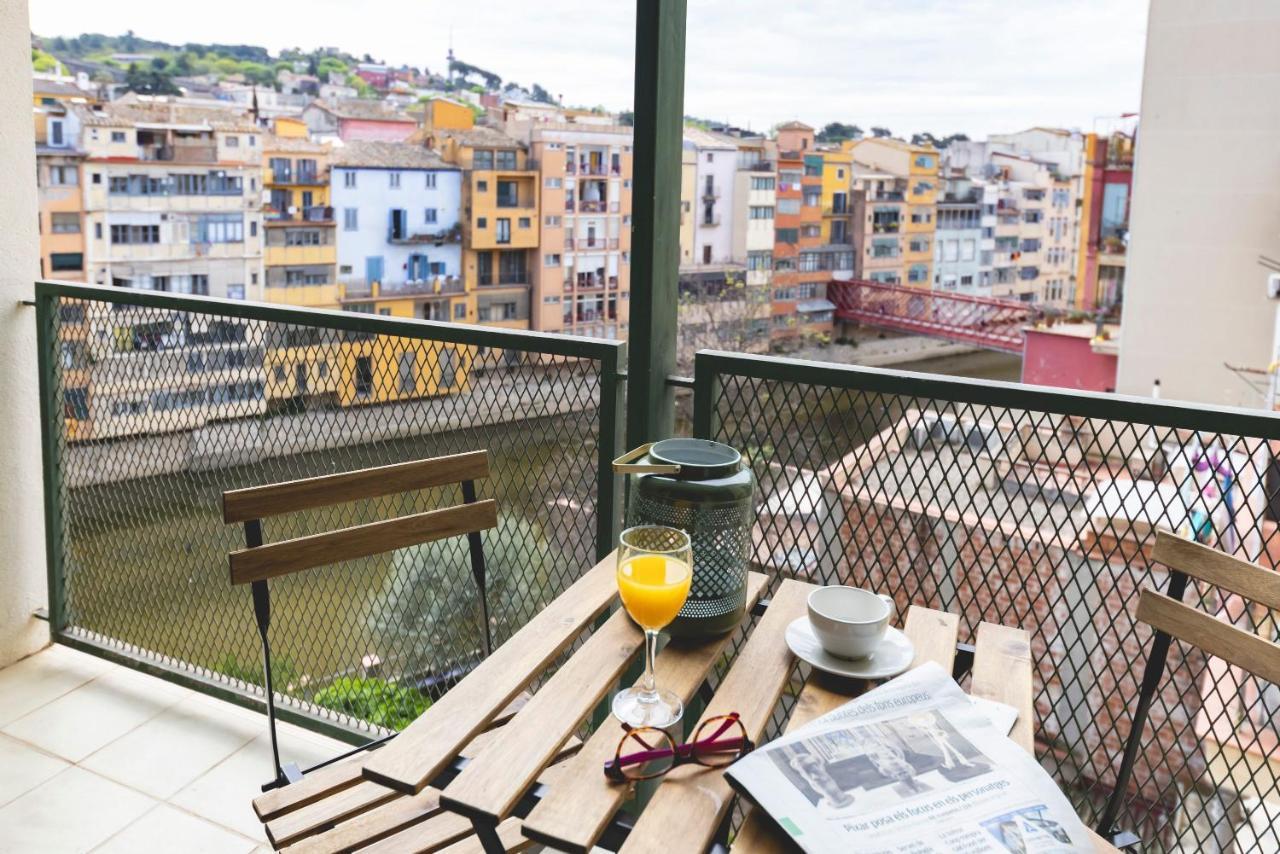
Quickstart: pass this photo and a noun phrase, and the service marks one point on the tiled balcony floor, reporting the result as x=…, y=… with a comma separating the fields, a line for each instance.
x=97, y=757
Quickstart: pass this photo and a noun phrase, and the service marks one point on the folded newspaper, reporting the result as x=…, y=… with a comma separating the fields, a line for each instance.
x=917, y=766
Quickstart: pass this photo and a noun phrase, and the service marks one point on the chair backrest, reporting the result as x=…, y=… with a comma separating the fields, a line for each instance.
x=260, y=562
x=1173, y=619
x=1242, y=648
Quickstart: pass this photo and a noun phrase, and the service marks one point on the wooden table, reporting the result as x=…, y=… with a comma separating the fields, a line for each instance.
x=460, y=777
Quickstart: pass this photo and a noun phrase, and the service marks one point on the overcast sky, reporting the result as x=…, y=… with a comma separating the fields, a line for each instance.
x=945, y=66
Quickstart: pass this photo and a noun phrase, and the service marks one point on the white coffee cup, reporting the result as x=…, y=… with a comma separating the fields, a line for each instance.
x=849, y=622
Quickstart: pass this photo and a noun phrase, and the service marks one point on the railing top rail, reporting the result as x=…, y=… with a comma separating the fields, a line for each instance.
x=610, y=353
x=709, y=364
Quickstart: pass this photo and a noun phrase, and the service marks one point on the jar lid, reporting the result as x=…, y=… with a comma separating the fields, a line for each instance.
x=699, y=459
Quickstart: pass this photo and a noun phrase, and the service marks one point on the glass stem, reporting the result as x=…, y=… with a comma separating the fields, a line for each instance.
x=648, y=685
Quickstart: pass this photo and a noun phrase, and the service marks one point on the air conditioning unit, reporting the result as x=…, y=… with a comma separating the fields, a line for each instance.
x=1273, y=286
x=293, y=210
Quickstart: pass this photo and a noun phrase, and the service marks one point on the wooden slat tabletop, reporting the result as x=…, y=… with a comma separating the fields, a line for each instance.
x=574, y=815
x=932, y=633
x=688, y=806
x=432, y=741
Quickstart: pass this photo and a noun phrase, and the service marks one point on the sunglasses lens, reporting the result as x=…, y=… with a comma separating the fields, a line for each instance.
x=646, y=753
x=719, y=741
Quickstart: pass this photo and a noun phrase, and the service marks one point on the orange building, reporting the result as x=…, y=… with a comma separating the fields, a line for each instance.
x=799, y=282
x=59, y=174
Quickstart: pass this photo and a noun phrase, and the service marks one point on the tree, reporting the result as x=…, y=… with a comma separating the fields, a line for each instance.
x=717, y=316
x=880, y=133
x=838, y=132
x=627, y=118
x=541, y=95
x=152, y=79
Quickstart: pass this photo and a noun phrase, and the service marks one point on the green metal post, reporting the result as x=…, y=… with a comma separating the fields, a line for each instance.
x=706, y=389
x=51, y=427
x=655, y=208
x=613, y=404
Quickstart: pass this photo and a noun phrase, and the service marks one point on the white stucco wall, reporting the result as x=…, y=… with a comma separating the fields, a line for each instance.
x=722, y=169
x=22, y=568
x=374, y=198
x=1206, y=202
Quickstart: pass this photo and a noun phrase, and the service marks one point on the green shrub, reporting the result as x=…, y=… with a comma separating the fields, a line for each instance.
x=283, y=673
x=374, y=700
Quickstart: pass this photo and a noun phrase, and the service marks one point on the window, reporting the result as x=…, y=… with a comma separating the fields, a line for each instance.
x=761, y=212
x=812, y=198
x=294, y=237
x=762, y=182
x=281, y=169
x=524, y=222
x=253, y=228
x=394, y=179
x=364, y=375
x=554, y=183
x=921, y=215
x=1030, y=244
x=233, y=142
x=950, y=250
x=787, y=235
x=551, y=261
x=503, y=232
x=235, y=291
x=1032, y=216
x=126, y=234
x=253, y=140
x=459, y=311
x=506, y=159
x=810, y=231
x=350, y=219
x=348, y=178
x=918, y=273
x=924, y=161
x=399, y=225
x=921, y=188
x=59, y=261
x=63, y=176
x=117, y=136
x=919, y=244
x=55, y=133
x=512, y=269
x=482, y=222
x=484, y=268
x=508, y=194
x=97, y=231
x=97, y=177
x=552, y=221
x=967, y=249
x=431, y=180
x=760, y=260
x=482, y=159
x=788, y=206
x=64, y=223
x=219, y=228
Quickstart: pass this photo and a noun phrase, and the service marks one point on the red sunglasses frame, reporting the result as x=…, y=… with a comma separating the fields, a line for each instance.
x=690, y=752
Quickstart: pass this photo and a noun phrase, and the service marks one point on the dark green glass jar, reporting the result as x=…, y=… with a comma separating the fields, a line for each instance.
x=703, y=488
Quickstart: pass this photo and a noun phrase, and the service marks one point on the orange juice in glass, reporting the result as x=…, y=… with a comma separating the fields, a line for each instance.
x=655, y=569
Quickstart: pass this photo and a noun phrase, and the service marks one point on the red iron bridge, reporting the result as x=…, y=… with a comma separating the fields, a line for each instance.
x=994, y=324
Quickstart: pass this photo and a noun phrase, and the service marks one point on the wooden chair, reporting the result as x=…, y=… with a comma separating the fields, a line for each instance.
x=1172, y=619
x=258, y=562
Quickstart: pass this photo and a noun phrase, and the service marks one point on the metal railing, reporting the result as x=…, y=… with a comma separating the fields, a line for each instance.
x=1033, y=508
x=153, y=404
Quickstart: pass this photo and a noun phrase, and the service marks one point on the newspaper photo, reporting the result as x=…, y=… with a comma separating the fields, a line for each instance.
x=913, y=766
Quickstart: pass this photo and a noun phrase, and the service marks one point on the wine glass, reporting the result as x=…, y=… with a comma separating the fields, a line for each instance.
x=655, y=568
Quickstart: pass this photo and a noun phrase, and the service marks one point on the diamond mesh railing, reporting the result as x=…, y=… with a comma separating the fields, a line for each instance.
x=154, y=404
x=1038, y=509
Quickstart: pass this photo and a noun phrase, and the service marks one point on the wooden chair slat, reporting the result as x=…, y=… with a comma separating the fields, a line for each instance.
x=1243, y=649
x=688, y=807
x=1002, y=672
x=492, y=784
x=1218, y=568
x=286, y=556
x=340, y=805
x=932, y=633
x=428, y=744
x=261, y=502
x=434, y=834
x=331, y=778
x=575, y=813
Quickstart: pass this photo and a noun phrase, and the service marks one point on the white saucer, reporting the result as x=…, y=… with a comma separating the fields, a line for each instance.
x=893, y=656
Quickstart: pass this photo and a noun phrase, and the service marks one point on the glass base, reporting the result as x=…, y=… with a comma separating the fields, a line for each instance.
x=660, y=709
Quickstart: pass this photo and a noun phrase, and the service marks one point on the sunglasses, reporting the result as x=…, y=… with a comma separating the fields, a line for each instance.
x=647, y=752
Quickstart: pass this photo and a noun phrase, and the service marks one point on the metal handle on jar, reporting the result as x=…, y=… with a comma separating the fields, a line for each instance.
x=626, y=464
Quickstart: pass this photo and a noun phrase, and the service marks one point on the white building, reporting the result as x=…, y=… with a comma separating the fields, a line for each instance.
x=398, y=209
x=713, y=202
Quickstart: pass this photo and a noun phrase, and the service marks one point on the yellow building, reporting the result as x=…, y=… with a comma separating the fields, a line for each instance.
x=917, y=165
x=837, y=208
x=300, y=252
x=501, y=224
x=59, y=178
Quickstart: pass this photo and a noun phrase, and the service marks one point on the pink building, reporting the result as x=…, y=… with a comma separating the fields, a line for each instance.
x=1071, y=355
x=358, y=118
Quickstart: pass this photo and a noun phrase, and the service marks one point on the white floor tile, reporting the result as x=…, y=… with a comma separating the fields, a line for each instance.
x=29, y=684
x=173, y=748
x=73, y=811
x=168, y=829
x=95, y=714
x=24, y=768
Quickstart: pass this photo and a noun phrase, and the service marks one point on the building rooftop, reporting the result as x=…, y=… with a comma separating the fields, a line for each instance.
x=124, y=113
x=295, y=144
x=372, y=154
x=480, y=136
x=363, y=109
x=57, y=88
x=794, y=125
x=699, y=138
